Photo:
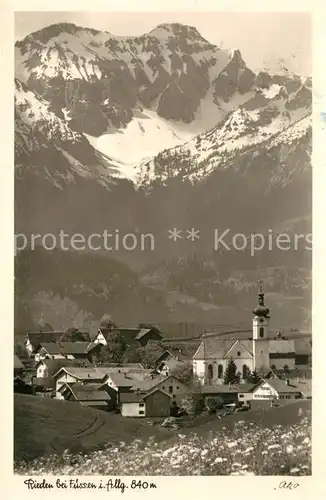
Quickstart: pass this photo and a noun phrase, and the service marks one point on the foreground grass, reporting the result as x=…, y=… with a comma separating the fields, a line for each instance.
x=45, y=426
x=246, y=449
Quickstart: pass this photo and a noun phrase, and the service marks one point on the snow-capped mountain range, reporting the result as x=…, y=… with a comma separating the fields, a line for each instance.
x=129, y=98
x=95, y=110
x=154, y=132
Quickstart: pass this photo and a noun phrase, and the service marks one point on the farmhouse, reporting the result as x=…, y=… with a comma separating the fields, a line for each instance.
x=72, y=375
x=130, y=336
x=155, y=403
x=123, y=380
x=228, y=393
x=170, y=384
x=62, y=350
x=91, y=395
x=34, y=339
x=275, y=389
x=171, y=359
x=46, y=368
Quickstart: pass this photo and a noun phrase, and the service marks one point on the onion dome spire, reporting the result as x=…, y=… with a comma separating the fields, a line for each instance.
x=261, y=310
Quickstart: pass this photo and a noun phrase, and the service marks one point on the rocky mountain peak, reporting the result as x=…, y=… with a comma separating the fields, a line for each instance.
x=44, y=35
x=177, y=30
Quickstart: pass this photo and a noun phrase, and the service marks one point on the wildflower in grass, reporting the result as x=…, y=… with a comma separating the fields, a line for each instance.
x=264, y=451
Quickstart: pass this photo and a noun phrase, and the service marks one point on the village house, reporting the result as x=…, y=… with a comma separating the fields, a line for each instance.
x=260, y=352
x=172, y=359
x=34, y=339
x=227, y=394
x=123, y=379
x=73, y=375
x=115, y=377
x=46, y=368
x=130, y=336
x=156, y=403
x=274, y=389
x=62, y=350
x=91, y=395
x=170, y=384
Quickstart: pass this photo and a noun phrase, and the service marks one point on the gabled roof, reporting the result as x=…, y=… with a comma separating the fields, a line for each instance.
x=171, y=363
x=65, y=348
x=37, y=338
x=157, y=389
x=130, y=336
x=51, y=336
x=88, y=392
x=92, y=373
x=149, y=383
x=131, y=397
x=219, y=348
x=142, y=333
x=61, y=363
x=121, y=380
x=173, y=353
x=137, y=397
x=279, y=385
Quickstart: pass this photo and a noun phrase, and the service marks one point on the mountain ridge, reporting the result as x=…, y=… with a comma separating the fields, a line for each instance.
x=159, y=131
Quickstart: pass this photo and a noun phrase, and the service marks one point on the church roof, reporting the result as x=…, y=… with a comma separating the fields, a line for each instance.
x=219, y=348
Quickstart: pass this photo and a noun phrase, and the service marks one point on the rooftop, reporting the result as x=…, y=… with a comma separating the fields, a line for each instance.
x=65, y=348
x=218, y=348
x=131, y=397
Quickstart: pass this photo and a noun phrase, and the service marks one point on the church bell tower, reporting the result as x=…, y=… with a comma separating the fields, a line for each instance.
x=260, y=338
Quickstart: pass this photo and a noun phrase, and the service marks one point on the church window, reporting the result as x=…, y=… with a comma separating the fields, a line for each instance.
x=210, y=371
x=239, y=353
x=220, y=371
x=261, y=331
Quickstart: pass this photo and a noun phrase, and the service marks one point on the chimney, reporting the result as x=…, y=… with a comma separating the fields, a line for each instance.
x=287, y=382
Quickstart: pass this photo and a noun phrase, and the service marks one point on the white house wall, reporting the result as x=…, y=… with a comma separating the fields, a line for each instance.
x=42, y=371
x=63, y=379
x=100, y=339
x=264, y=391
x=133, y=409
x=179, y=389
x=199, y=367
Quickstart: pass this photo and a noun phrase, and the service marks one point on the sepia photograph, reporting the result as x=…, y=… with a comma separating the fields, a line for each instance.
x=163, y=245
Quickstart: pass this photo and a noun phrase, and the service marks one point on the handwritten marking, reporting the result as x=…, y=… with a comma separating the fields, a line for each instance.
x=288, y=485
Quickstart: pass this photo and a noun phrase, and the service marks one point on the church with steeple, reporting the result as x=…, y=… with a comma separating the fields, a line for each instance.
x=260, y=338
x=258, y=351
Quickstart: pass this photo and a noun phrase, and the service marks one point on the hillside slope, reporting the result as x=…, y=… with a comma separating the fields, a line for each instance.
x=43, y=426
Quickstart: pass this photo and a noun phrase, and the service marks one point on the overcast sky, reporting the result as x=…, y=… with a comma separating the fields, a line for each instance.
x=263, y=38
